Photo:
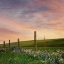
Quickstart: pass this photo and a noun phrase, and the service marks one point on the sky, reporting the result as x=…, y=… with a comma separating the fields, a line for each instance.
x=20, y=18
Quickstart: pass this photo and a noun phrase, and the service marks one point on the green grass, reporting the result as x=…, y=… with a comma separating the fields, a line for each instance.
x=55, y=43
x=47, y=48
x=10, y=57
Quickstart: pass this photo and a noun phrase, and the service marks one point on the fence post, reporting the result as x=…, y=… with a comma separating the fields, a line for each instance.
x=18, y=43
x=35, y=43
x=4, y=44
x=44, y=44
x=9, y=43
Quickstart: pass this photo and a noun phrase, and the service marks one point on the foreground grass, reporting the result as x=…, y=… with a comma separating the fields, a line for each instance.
x=10, y=57
x=48, y=57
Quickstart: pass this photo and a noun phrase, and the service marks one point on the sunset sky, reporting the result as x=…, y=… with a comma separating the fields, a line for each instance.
x=20, y=18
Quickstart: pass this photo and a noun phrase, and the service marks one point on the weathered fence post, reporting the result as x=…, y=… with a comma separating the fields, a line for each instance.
x=44, y=44
x=4, y=44
x=18, y=43
x=35, y=43
x=9, y=43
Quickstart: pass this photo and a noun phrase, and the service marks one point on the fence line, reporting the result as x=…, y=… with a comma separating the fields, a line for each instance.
x=35, y=43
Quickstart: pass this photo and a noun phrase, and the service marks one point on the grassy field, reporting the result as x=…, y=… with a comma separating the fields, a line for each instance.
x=52, y=55
x=50, y=43
x=33, y=57
x=10, y=57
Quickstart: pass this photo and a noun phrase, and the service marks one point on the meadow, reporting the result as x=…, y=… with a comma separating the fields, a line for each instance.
x=25, y=56
x=54, y=53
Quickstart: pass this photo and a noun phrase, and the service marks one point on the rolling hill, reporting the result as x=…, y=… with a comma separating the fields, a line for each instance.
x=40, y=43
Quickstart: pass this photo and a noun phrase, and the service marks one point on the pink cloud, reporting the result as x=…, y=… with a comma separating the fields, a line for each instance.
x=45, y=16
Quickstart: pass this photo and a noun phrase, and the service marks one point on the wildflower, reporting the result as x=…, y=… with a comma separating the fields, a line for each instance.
x=62, y=55
x=48, y=61
x=57, y=60
x=34, y=55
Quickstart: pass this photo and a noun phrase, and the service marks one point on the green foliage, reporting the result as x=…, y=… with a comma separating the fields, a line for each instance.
x=10, y=57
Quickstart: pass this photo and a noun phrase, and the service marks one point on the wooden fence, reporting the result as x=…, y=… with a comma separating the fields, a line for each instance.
x=18, y=42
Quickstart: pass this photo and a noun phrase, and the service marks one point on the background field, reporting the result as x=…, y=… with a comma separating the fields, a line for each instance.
x=50, y=44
